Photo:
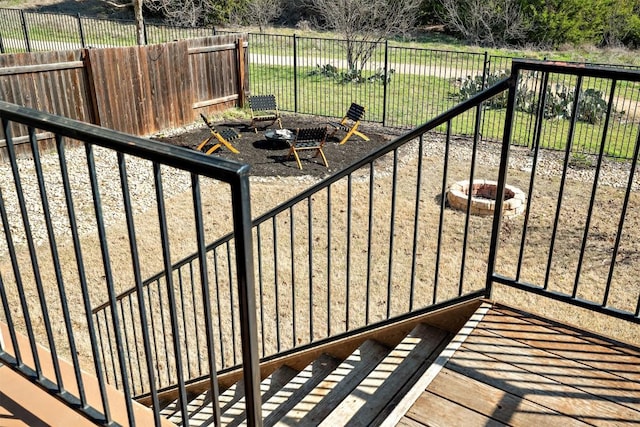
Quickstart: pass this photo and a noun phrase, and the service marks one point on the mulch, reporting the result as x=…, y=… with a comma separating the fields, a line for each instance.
x=269, y=158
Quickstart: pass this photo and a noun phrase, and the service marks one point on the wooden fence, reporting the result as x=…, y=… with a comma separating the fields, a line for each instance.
x=139, y=90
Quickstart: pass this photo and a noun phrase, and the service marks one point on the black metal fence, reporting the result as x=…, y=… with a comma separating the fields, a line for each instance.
x=401, y=87
x=60, y=258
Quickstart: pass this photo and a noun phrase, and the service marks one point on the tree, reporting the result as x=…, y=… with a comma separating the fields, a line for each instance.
x=263, y=12
x=137, y=11
x=364, y=24
x=188, y=13
x=486, y=22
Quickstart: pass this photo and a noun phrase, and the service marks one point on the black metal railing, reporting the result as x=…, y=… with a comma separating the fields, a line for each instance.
x=356, y=250
x=60, y=213
x=579, y=253
x=369, y=245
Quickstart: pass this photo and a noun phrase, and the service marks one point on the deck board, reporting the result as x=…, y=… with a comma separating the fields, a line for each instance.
x=496, y=403
x=517, y=369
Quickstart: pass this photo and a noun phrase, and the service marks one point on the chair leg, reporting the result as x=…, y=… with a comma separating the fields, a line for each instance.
x=203, y=143
x=354, y=131
x=295, y=153
x=227, y=144
x=292, y=152
x=324, y=159
x=361, y=135
x=347, y=136
x=214, y=148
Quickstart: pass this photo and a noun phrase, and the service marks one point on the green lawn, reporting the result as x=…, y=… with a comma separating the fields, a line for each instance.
x=413, y=100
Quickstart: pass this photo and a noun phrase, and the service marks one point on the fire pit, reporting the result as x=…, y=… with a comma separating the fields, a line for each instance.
x=483, y=198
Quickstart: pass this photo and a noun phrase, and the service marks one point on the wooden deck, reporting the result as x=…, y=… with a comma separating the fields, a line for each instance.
x=520, y=370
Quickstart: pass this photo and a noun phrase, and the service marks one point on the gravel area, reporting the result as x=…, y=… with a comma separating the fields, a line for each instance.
x=139, y=176
x=613, y=173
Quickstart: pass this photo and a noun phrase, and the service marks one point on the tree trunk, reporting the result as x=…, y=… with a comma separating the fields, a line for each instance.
x=137, y=9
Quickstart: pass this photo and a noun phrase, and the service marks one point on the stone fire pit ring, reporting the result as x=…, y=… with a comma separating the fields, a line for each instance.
x=483, y=198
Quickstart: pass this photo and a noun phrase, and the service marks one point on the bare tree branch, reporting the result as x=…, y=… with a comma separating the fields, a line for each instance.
x=363, y=24
x=263, y=12
x=184, y=12
x=119, y=5
x=488, y=23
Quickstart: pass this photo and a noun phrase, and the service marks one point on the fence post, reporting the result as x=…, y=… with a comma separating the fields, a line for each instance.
x=1, y=45
x=385, y=83
x=295, y=73
x=485, y=72
x=502, y=178
x=241, y=72
x=25, y=31
x=144, y=31
x=82, y=41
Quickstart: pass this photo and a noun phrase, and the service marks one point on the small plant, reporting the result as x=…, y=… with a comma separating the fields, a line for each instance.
x=592, y=107
x=471, y=86
x=326, y=70
x=580, y=161
x=379, y=76
x=352, y=75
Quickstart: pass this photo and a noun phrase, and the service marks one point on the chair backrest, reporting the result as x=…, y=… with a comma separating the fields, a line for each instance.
x=318, y=135
x=228, y=134
x=204, y=118
x=356, y=112
x=263, y=102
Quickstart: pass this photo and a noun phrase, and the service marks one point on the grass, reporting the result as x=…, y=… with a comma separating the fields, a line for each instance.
x=414, y=99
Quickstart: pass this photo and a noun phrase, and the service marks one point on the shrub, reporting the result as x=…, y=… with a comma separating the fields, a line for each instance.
x=592, y=107
x=352, y=75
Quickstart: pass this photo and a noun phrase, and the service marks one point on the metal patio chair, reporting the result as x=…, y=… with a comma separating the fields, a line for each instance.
x=222, y=137
x=309, y=139
x=350, y=123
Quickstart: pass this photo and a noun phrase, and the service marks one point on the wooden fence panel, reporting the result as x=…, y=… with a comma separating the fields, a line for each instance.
x=55, y=82
x=138, y=90
x=142, y=89
x=216, y=72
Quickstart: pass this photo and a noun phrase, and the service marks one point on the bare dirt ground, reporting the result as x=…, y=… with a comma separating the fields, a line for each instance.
x=311, y=299
x=276, y=178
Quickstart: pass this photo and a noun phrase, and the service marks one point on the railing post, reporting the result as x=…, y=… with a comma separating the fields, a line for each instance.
x=247, y=296
x=1, y=45
x=25, y=31
x=240, y=53
x=502, y=179
x=385, y=83
x=81, y=30
x=295, y=73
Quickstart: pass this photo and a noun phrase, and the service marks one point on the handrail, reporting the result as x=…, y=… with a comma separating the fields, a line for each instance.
x=298, y=216
x=125, y=146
